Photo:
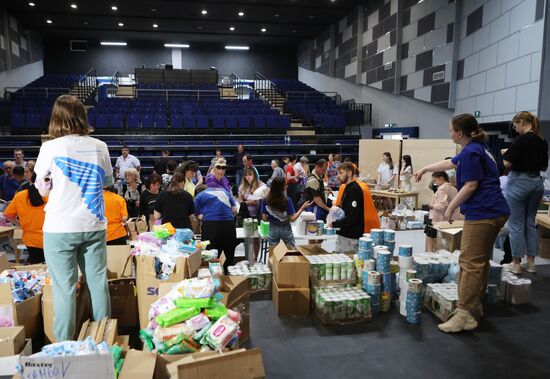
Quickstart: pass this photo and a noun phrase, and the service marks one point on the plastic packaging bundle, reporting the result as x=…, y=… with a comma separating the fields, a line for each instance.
x=335, y=214
x=209, y=255
x=196, y=288
x=149, y=237
x=185, y=302
x=197, y=322
x=166, y=333
x=163, y=231
x=183, y=235
x=175, y=316
x=221, y=333
x=216, y=269
x=72, y=348
x=216, y=312
x=24, y=284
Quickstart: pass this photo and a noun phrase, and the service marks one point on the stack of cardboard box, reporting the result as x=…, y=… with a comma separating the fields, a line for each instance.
x=290, y=281
x=12, y=345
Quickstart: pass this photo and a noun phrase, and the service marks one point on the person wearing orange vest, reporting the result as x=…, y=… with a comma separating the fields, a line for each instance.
x=116, y=214
x=28, y=207
x=371, y=220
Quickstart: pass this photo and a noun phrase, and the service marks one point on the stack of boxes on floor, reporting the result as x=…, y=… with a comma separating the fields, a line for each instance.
x=26, y=316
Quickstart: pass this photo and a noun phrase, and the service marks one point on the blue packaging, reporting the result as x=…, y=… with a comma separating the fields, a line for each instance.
x=383, y=261
x=183, y=235
x=386, y=282
x=389, y=235
x=405, y=250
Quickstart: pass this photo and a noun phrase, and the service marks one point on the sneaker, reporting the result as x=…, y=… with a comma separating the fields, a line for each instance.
x=462, y=320
x=529, y=267
x=513, y=267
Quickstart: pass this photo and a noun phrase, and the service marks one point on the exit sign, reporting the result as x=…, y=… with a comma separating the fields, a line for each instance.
x=477, y=113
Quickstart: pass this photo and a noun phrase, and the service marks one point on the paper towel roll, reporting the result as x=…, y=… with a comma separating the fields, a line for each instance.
x=308, y=216
x=415, y=285
x=406, y=262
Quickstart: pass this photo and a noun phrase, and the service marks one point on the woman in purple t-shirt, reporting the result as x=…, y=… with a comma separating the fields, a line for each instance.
x=485, y=210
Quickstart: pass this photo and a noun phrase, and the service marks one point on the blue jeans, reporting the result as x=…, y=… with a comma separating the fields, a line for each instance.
x=523, y=195
x=280, y=232
x=239, y=176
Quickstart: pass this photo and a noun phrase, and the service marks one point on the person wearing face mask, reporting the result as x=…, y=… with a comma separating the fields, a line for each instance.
x=352, y=203
x=485, y=210
x=525, y=159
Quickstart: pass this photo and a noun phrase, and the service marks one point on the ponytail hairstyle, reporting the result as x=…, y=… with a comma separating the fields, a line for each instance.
x=390, y=160
x=35, y=198
x=175, y=184
x=531, y=119
x=467, y=124
x=408, y=161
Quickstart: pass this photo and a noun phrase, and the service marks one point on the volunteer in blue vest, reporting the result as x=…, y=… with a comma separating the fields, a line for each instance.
x=72, y=169
x=481, y=202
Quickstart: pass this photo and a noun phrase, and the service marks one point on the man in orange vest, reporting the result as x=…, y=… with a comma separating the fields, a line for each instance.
x=371, y=220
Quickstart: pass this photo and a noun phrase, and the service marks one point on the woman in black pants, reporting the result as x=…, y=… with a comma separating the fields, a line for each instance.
x=216, y=208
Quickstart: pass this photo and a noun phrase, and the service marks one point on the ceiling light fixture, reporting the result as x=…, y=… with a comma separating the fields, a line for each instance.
x=276, y=15
x=233, y=47
x=311, y=17
x=114, y=7
x=155, y=26
x=32, y=4
x=177, y=45
x=204, y=11
x=74, y=6
x=232, y=28
x=120, y=24
x=241, y=14
x=106, y=43
x=49, y=21
x=264, y=30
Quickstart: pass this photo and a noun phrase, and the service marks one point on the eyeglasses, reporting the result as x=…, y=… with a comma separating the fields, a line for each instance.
x=221, y=167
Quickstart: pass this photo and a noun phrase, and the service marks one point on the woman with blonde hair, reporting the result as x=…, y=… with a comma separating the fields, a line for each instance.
x=131, y=192
x=249, y=184
x=525, y=159
x=72, y=169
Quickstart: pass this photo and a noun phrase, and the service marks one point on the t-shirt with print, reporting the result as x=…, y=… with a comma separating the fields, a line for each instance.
x=277, y=217
x=476, y=163
x=214, y=204
x=79, y=168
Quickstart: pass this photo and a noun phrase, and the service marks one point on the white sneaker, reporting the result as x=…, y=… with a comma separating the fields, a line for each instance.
x=513, y=267
x=462, y=320
x=529, y=267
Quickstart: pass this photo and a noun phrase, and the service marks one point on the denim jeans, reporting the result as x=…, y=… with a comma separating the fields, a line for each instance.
x=523, y=195
x=280, y=232
x=239, y=177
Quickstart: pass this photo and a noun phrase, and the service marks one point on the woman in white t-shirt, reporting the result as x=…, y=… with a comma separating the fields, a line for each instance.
x=405, y=179
x=387, y=171
x=72, y=169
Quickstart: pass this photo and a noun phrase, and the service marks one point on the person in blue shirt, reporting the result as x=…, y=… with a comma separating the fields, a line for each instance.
x=8, y=182
x=216, y=208
x=485, y=210
x=278, y=209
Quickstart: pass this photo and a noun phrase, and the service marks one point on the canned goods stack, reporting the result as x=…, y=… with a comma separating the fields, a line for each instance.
x=259, y=275
x=336, y=305
x=320, y=227
x=441, y=299
x=332, y=267
x=414, y=301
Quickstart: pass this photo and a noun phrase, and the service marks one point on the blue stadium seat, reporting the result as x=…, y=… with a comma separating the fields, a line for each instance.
x=147, y=121
x=244, y=122
x=115, y=121
x=18, y=120
x=259, y=122
x=160, y=121
x=231, y=122
x=101, y=121
x=176, y=121
x=189, y=122
x=133, y=120
x=202, y=121
x=340, y=122
x=218, y=122
x=284, y=121
x=328, y=122
x=272, y=121
x=33, y=121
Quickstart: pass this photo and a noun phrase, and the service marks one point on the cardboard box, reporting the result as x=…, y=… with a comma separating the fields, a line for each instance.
x=236, y=296
x=138, y=365
x=83, y=306
x=103, y=330
x=543, y=222
x=290, y=301
x=290, y=268
x=148, y=284
x=91, y=366
x=12, y=340
x=123, y=342
x=8, y=364
x=448, y=235
x=124, y=304
x=119, y=262
x=27, y=313
x=237, y=364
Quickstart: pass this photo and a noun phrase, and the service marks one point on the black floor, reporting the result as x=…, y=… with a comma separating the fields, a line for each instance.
x=511, y=342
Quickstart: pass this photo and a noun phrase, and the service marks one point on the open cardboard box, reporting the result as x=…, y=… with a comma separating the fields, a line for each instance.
x=27, y=313
x=103, y=330
x=138, y=365
x=8, y=364
x=290, y=268
x=448, y=235
x=290, y=301
x=236, y=364
x=12, y=340
x=236, y=295
x=543, y=221
x=148, y=284
x=91, y=366
x=117, y=266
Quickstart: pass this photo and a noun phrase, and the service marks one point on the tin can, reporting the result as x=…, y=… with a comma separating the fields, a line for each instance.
x=322, y=271
x=329, y=271
x=336, y=271
x=320, y=227
x=349, y=270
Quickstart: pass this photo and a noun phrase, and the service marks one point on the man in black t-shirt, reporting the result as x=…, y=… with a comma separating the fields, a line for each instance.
x=352, y=225
x=315, y=191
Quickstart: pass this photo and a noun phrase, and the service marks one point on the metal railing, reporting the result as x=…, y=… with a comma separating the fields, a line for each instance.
x=238, y=85
x=187, y=94
x=313, y=95
x=362, y=109
x=87, y=84
x=265, y=87
x=35, y=92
